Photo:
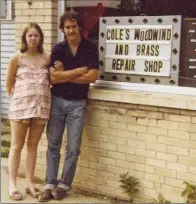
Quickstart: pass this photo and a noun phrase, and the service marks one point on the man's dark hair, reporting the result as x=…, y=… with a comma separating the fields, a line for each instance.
x=71, y=15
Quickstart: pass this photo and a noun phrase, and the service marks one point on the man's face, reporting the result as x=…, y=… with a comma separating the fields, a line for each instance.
x=71, y=30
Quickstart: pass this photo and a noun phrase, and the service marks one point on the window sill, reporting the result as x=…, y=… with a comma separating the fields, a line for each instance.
x=145, y=94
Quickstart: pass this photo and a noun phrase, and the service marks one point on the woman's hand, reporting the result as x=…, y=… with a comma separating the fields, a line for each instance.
x=59, y=66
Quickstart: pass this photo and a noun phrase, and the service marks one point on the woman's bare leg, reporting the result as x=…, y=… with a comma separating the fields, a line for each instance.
x=35, y=132
x=18, y=134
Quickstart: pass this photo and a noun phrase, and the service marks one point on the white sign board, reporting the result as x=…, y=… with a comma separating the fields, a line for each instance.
x=138, y=49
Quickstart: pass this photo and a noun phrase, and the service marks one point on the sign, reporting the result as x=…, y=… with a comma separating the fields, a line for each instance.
x=138, y=49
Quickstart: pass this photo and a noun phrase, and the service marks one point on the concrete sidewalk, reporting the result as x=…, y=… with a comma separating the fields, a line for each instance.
x=71, y=198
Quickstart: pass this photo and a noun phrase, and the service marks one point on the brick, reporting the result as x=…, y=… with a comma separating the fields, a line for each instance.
x=97, y=180
x=179, y=118
x=107, y=146
x=83, y=163
x=174, y=182
x=193, y=128
x=147, y=121
x=177, y=166
x=126, y=149
x=110, y=183
x=99, y=137
x=156, y=146
x=106, y=175
x=88, y=185
x=167, y=157
x=50, y=33
x=18, y=12
x=153, y=177
x=148, y=108
x=147, y=184
x=193, y=136
x=22, y=19
x=192, y=152
x=29, y=12
x=134, y=173
x=168, y=110
x=137, y=128
x=192, y=169
x=175, y=198
x=117, y=111
x=188, y=112
x=101, y=123
x=21, y=5
x=50, y=4
x=186, y=176
x=149, y=192
x=167, y=140
x=146, y=153
x=184, y=126
x=128, y=106
x=134, y=158
x=37, y=4
x=146, y=137
x=106, y=160
x=187, y=160
x=187, y=143
x=99, y=166
x=109, y=103
x=82, y=177
x=98, y=151
x=46, y=12
x=145, y=168
x=155, y=162
x=178, y=134
x=105, y=190
x=193, y=120
x=126, y=134
x=51, y=19
x=120, y=193
x=156, y=131
x=127, y=119
x=116, y=140
x=116, y=155
x=177, y=150
x=115, y=169
x=108, y=131
x=118, y=125
x=155, y=115
x=137, y=113
x=136, y=144
x=165, y=172
x=125, y=164
x=167, y=124
x=36, y=19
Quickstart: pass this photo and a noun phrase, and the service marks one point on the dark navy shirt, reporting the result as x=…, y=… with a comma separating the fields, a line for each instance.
x=87, y=55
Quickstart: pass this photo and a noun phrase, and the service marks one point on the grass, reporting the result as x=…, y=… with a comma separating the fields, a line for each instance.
x=5, y=152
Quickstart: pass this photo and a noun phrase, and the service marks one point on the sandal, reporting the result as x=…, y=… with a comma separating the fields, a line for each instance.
x=34, y=193
x=15, y=195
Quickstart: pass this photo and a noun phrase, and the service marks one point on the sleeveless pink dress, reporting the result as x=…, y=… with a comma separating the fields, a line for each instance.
x=31, y=96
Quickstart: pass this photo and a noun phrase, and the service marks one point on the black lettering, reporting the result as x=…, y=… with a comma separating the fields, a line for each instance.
x=150, y=34
x=138, y=49
x=160, y=65
x=157, y=50
x=133, y=65
x=163, y=34
x=142, y=36
x=147, y=35
x=116, y=50
x=168, y=34
x=146, y=66
x=121, y=34
x=152, y=50
x=126, y=49
x=112, y=34
x=127, y=65
x=118, y=64
x=120, y=49
x=155, y=34
x=148, y=50
x=143, y=50
x=121, y=64
x=108, y=34
x=127, y=34
x=113, y=63
x=137, y=34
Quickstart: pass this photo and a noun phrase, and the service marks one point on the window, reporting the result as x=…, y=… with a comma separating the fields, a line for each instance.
x=7, y=9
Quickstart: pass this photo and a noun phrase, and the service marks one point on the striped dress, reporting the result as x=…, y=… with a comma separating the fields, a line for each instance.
x=31, y=96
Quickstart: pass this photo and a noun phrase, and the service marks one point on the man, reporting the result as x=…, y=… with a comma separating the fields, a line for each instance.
x=79, y=59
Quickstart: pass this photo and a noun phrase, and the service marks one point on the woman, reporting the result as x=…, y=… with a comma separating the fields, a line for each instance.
x=28, y=86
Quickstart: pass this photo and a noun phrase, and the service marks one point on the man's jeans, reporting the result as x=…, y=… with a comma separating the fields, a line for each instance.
x=69, y=113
